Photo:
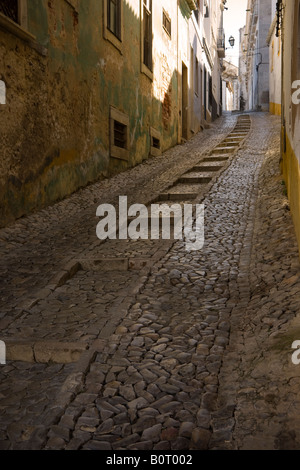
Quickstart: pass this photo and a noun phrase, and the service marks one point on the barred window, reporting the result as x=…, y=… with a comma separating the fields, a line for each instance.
x=10, y=8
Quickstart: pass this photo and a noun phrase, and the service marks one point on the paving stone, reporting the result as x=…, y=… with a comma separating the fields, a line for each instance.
x=152, y=433
x=138, y=403
x=169, y=434
x=200, y=439
x=167, y=357
x=127, y=392
x=97, y=445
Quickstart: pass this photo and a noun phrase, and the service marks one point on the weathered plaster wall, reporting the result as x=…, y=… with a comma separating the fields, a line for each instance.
x=64, y=82
x=59, y=90
x=291, y=111
x=48, y=124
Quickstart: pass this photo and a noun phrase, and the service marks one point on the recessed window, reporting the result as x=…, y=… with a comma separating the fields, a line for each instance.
x=210, y=91
x=166, y=23
x=155, y=146
x=10, y=8
x=113, y=23
x=155, y=143
x=197, y=77
x=119, y=134
x=114, y=17
x=147, y=33
x=2, y=92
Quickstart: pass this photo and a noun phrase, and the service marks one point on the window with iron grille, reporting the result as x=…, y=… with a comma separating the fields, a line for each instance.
x=166, y=23
x=147, y=30
x=10, y=8
x=114, y=17
x=120, y=135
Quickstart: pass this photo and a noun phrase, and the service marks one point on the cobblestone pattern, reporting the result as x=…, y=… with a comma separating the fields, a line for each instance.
x=27, y=402
x=258, y=377
x=156, y=384
x=35, y=248
x=202, y=358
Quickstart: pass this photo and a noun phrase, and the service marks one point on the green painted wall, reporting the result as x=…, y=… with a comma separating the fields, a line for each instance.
x=56, y=118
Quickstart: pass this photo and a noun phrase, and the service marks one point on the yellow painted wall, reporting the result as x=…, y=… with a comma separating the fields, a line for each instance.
x=275, y=108
x=290, y=112
x=291, y=173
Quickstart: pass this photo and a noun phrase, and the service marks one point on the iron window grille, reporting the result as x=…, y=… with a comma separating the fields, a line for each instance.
x=10, y=8
x=120, y=135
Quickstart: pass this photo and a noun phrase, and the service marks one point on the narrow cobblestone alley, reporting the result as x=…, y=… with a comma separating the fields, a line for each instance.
x=141, y=344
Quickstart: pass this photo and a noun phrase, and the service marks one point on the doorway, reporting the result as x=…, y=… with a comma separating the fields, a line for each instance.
x=184, y=104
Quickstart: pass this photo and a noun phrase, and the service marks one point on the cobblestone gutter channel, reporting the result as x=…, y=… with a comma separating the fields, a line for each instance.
x=168, y=369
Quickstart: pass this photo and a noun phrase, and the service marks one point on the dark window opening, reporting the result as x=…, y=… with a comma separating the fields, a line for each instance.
x=166, y=23
x=114, y=17
x=148, y=33
x=210, y=93
x=10, y=9
x=120, y=135
x=197, y=77
x=155, y=143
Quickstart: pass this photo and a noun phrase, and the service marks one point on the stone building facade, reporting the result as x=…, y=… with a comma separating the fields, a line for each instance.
x=255, y=54
x=89, y=89
x=230, y=79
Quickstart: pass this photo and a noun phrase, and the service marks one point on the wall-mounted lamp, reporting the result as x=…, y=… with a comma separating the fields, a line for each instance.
x=231, y=41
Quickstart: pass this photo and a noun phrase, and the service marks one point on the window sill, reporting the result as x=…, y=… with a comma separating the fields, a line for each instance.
x=110, y=37
x=14, y=28
x=119, y=153
x=167, y=32
x=147, y=72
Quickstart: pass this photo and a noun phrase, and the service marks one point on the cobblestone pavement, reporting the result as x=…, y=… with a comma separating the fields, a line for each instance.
x=142, y=344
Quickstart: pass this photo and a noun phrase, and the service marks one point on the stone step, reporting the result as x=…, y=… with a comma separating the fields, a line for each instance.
x=234, y=138
x=113, y=264
x=195, y=179
x=234, y=143
x=220, y=158
x=209, y=168
x=223, y=149
x=176, y=197
x=43, y=351
x=238, y=135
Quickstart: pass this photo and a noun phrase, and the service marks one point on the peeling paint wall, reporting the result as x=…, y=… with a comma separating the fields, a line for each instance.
x=66, y=77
